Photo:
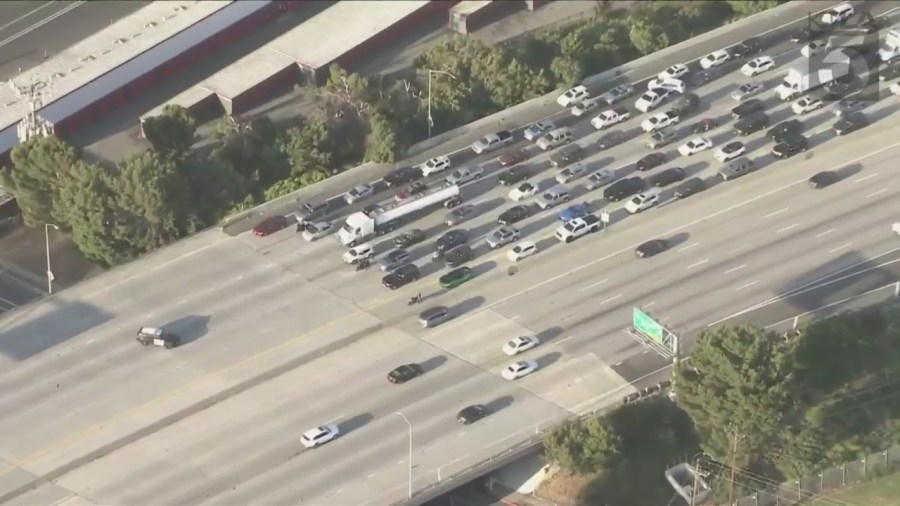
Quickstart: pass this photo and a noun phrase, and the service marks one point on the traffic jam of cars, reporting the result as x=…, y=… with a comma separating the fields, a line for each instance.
x=535, y=188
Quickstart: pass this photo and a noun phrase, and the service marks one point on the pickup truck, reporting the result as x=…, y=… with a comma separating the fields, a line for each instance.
x=573, y=229
x=492, y=141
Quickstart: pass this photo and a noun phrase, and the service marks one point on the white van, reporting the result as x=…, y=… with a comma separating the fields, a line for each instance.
x=555, y=138
x=837, y=15
x=357, y=253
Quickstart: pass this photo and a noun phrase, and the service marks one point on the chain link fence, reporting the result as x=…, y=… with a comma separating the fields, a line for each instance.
x=829, y=480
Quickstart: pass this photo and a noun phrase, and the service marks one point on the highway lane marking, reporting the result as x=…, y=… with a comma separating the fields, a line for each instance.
x=42, y=22
x=689, y=246
x=735, y=269
x=610, y=299
x=789, y=227
x=861, y=179
x=27, y=14
x=645, y=306
x=563, y=340
x=697, y=264
x=879, y=192
x=747, y=285
x=842, y=246
x=775, y=213
x=504, y=439
x=832, y=304
x=823, y=234
x=814, y=285
x=592, y=285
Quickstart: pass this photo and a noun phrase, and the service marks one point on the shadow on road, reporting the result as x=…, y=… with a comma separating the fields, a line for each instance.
x=355, y=423
x=66, y=320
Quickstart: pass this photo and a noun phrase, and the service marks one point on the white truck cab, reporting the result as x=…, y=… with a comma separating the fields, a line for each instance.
x=890, y=47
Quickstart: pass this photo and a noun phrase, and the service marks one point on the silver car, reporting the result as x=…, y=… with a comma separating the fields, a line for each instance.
x=393, y=260
x=617, y=94
x=459, y=215
x=747, y=90
x=600, y=178
x=571, y=173
x=534, y=131
x=502, y=236
x=849, y=105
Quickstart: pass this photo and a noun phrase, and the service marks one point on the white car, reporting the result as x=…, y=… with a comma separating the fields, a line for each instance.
x=660, y=121
x=730, y=151
x=573, y=96
x=435, y=165
x=316, y=231
x=757, y=66
x=694, y=146
x=676, y=71
x=651, y=100
x=520, y=345
x=319, y=435
x=535, y=131
x=358, y=193
x=715, y=59
x=599, y=179
x=837, y=15
x=522, y=250
x=524, y=191
x=519, y=369
x=585, y=106
x=611, y=117
x=674, y=85
x=813, y=48
x=806, y=104
x=643, y=201
x=895, y=88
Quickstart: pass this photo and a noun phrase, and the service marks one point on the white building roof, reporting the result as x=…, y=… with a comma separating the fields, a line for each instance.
x=467, y=7
x=246, y=73
x=333, y=32
x=104, y=51
x=187, y=99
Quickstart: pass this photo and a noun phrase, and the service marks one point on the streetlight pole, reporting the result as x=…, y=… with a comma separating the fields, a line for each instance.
x=47, y=242
x=410, y=463
x=430, y=73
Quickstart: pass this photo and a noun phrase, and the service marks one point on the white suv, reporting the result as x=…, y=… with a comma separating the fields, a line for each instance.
x=643, y=201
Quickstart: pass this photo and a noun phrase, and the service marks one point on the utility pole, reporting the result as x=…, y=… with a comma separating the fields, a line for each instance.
x=36, y=93
x=734, y=450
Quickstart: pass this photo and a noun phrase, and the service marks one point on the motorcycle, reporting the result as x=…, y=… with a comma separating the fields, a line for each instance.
x=301, y=226
x=415, y=300
x=362, y=265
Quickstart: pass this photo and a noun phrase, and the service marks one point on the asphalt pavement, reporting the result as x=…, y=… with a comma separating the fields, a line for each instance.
x=281, y=337
x=31, y=31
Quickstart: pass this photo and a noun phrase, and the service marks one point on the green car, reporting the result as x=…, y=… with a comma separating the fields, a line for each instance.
x=456, y=277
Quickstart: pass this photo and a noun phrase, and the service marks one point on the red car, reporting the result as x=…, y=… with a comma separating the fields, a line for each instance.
x=510, y=159
x=270, y=225
x=410, y=191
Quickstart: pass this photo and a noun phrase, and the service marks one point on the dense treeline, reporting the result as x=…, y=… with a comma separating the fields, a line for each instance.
x=790, y=407
x=118, y=213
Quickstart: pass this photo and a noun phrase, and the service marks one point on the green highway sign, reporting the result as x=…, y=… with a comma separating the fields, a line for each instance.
x=642, y=322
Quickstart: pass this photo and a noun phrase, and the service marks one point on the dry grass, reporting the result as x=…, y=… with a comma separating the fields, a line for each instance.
x=563, y=488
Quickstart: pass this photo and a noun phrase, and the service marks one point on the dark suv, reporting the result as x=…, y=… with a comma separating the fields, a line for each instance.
x=623, y=188
x=566, y=155
x=402, y=276
x=471, y=414
x=750, y=124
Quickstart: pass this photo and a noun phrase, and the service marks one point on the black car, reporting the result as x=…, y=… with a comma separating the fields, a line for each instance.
x=471, y=414
x=751, y=124
x=850, y=123
x=623, y=188
x=747, y=108
x=513, y=176
x=450, y=240
x=404, y=373
x=611, y=139
x=689, y=187
x=686, y=105
x=650, y=161
x=402, y=176
x=458, y=256
x=889, y=72
x=808, y=33
x=705, y=125
x=513, y=215
x=823, y=179
x=790, y=146
x=566, y=155
x=650, y=248
x=402, y=276
x=784, y=129
x=746, y=48
x=667, y=177
x=407, y=239
x=705, y=76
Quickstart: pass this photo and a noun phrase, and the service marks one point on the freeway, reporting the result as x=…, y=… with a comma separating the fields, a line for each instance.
x=29, y=30
x=281, y=337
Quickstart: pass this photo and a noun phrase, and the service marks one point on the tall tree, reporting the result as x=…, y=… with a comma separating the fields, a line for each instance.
x=738, y=382
x=383, y=145
x=586, y=447
x=171, y=133
x=38, y=167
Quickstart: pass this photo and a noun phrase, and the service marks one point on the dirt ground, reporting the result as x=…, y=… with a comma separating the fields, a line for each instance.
x=563, y=488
